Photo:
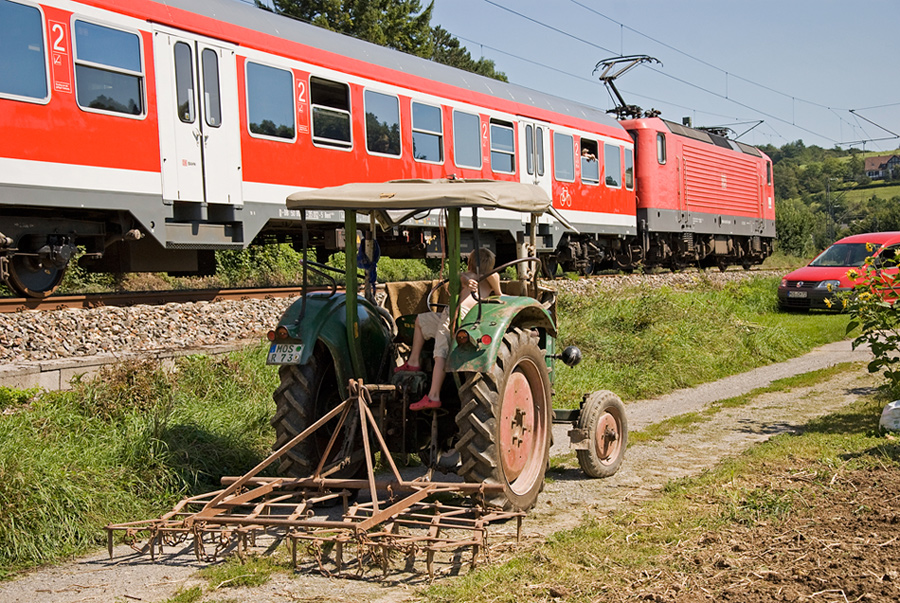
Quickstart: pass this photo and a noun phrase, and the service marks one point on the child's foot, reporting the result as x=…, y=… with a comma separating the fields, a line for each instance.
x=425, y=403
x=408, y=368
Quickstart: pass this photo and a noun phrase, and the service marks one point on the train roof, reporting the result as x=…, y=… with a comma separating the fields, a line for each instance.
x=248, y=16
x=658, y=123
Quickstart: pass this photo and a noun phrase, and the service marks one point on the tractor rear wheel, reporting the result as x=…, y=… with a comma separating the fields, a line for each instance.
x=306, y=393
x=504, y=423
x=602, y=418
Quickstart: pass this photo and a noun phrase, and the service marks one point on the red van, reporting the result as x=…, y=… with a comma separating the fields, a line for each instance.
x=814, y=286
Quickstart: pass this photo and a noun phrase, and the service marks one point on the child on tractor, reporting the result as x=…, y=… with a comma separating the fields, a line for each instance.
x=433, y=325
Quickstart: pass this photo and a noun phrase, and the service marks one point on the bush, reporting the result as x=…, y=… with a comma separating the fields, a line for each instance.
x=873, y=311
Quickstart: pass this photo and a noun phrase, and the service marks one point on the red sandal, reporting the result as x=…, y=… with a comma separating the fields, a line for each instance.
x=425, y=403
x=407, y=368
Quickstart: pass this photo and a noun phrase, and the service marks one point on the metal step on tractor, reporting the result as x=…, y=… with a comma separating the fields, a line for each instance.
x=343, y=411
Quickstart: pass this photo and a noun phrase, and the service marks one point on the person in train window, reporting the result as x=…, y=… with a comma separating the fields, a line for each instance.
x=433, y=325
x=586, y=154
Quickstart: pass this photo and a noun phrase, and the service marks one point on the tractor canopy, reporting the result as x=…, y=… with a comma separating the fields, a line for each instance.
x=395, y=201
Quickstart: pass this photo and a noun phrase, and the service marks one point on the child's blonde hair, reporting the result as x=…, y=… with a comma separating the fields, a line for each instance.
x=486, y=259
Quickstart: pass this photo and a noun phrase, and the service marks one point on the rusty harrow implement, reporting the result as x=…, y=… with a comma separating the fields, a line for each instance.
x=391, y=516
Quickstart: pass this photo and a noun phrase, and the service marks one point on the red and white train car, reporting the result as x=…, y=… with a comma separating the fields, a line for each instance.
x=702, y=198
x=154, y=132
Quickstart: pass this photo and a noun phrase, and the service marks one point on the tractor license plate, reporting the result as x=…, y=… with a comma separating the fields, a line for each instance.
x=796, y=293
x=284, y=353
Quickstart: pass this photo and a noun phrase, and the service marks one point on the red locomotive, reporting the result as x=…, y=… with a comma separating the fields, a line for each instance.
x=702, y=198
x=153, y=133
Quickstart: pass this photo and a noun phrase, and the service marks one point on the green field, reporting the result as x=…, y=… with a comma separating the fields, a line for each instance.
x=856, y=195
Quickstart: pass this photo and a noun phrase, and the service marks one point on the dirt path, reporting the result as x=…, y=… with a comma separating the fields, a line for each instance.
x=566, y=498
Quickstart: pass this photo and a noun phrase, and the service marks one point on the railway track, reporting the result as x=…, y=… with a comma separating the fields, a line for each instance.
x=133, y=298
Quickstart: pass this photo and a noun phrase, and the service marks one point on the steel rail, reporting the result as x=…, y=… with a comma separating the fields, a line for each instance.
x=133, y=298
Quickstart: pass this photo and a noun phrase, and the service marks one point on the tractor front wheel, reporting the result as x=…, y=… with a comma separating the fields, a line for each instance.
x=504, y=423
x=602, y=418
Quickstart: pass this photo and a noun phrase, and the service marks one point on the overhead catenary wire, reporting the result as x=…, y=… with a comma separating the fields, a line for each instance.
x=681, y=80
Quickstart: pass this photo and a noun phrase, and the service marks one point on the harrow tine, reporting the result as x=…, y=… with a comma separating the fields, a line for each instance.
x=252, y=511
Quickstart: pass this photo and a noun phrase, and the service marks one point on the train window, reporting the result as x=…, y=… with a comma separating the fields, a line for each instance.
x=529, y=149
x=503, y=147
x=108, y=69
x=563, y=157
x=612, y=165
x=330, y=103
x=23, y=63
x=661, y=148
x=768, y=173
x=539, y=139
x=184, y=82
x=467, y=139
x=629, y=169
x=382, y=123
x=427, y=133
x=212, y=97
x=270, y=101
x=590, y=167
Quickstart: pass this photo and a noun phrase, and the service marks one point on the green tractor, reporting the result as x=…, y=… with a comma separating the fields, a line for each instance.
x=495, y=422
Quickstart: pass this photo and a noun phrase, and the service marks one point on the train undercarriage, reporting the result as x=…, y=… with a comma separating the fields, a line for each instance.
x=585, y=254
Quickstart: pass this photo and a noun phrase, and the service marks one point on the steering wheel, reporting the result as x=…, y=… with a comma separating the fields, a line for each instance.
x=388, y=320
x=435, y=306
x=499, y=269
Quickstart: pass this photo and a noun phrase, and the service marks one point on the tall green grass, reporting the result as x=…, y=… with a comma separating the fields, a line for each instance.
x=126, y=446
x=643, y=342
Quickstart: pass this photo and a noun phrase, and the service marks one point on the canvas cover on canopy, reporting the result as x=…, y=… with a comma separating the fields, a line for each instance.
x=425, y=195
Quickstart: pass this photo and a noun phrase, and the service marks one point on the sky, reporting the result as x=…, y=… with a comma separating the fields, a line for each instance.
x=798, y=65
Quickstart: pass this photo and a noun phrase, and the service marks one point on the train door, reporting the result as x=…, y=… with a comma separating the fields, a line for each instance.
x=534, y=149
x=199, y=127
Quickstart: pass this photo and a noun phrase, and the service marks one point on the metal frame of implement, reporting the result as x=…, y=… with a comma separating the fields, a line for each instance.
x=398, y=516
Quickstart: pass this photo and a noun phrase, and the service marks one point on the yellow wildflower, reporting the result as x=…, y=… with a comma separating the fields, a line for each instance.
x=844, y=303
x=827, y=302
x=852, y=273
x=870, y=247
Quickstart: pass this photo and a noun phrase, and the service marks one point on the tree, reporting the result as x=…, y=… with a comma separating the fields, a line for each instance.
x=399, y=24
x=798, y=227
x=447, y=50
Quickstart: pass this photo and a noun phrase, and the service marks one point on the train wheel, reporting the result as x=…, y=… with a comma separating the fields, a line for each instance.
x=603, y=419
x=550, y=266
x=30, y=277
x=504, y=423
x=587, y=268
x=307, y=392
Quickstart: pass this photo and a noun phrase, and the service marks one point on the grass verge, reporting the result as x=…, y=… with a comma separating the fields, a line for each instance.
x=645, y=342
x=125, y=446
